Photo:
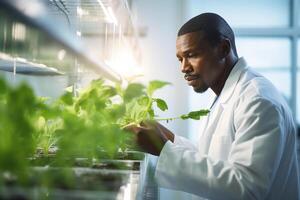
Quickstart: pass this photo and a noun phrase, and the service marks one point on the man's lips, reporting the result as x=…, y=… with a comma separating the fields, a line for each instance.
x=191, y=77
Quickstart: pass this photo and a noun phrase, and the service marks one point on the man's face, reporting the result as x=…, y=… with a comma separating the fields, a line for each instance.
x=199, y=61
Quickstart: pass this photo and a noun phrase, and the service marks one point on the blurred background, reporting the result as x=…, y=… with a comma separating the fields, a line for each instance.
x=54, y=44
x=267, y=36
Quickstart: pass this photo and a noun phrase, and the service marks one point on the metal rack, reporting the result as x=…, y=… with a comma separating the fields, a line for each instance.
x=69, y=22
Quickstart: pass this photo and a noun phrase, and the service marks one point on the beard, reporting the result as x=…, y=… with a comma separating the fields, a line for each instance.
x=196, y=82
x=199, y=85
x=200, y=89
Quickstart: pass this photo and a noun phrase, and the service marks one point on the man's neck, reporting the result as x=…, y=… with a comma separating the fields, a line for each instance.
x=229, y=64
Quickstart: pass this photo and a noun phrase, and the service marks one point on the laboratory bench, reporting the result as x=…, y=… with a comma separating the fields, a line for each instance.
x=118, y=179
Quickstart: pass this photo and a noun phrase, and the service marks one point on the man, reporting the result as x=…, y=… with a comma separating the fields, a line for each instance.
x=247, y=145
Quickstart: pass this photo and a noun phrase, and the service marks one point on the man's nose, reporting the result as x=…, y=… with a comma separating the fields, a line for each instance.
x=185, y=66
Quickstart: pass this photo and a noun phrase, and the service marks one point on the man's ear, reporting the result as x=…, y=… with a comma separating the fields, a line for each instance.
x=224, y=48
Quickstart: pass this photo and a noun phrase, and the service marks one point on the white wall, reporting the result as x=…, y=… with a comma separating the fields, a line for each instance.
x=162, y=20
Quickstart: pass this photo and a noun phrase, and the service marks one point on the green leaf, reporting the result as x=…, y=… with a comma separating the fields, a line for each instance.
x=41, y=122
x=195, y=114
x=98, y=83
x=186, y=116
x=67, y=98
x=3, y=86
x=151, y=113
x=155, y=85
x=143, y=101
x=161, y=104
x=133, y=90
x=106, y=92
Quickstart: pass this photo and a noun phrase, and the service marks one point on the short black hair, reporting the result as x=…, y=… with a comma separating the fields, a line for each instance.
x=214, y=27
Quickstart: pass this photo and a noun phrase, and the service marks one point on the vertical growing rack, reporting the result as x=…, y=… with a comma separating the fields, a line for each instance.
x=77, y=41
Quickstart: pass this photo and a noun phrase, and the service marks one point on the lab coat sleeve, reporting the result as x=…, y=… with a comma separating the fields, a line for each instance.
x=247, y=173
x=182, y=141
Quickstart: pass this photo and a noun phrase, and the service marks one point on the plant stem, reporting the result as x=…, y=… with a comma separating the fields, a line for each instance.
x=167, y=119
x=130, y=124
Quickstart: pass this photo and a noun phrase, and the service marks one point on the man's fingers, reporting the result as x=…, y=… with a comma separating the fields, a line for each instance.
x=148, y=123
x=136, y=129
x=167, y=133
x=131, y=128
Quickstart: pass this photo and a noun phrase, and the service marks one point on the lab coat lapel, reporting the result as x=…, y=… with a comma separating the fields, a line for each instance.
x=220, y=105
x=232, y=81
x=212, y=121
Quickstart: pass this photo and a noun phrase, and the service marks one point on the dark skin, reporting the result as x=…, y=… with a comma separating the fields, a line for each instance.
x=204, y=66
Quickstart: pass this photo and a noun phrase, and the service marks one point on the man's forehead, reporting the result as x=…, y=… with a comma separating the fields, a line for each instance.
x=189, y=40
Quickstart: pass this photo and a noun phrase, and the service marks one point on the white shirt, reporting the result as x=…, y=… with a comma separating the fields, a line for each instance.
x=247, y=146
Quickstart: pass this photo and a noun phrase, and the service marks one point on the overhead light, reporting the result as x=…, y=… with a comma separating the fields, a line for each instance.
x=112, y=16
x=61, y=54
x=78, y=33
x=125, y=63
x=32, y=8
x=109, y=14
x=18, y=32
x=81, y=12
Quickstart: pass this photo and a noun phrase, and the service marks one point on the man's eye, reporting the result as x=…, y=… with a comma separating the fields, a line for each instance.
x=190, y=55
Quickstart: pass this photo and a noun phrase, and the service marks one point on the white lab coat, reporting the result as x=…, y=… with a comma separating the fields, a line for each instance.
x=247, y=146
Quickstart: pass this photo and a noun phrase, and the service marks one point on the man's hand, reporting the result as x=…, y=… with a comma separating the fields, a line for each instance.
x=151, y=136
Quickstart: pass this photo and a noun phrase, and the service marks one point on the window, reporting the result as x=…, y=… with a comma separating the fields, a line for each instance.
x=265, y=53
x=298, y=96
x=270, y=56
x=266, y=38
x=298, y=81
x=244, y=13
x=298, y=17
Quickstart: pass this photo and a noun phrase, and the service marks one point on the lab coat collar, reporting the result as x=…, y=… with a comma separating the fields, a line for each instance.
x=232, y=80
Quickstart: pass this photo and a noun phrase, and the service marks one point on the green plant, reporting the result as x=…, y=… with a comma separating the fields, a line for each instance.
x=139, y=107
x=46, y=137
x=94, y=121
x=89, y=122
x=90, y=125
x=19, y=110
